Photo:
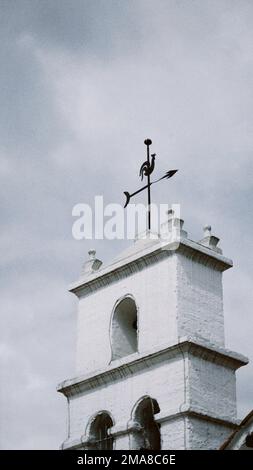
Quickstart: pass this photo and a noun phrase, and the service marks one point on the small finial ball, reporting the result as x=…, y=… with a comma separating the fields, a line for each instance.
x=170, y=213
x=207, y=229
x=92, y=254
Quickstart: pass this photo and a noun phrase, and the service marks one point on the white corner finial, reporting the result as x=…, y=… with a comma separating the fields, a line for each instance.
x=207, y=230
x=91, y=265
x=92, y=254
x=170, y=213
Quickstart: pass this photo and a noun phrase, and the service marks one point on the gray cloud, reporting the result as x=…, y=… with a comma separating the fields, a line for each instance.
x=83, y=83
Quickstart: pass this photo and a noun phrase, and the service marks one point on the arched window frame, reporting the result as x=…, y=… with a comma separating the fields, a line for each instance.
x=116, y=305
x=137, y=441
x=90, y=440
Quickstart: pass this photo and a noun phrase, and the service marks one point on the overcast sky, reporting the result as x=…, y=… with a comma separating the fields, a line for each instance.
x=83, y=82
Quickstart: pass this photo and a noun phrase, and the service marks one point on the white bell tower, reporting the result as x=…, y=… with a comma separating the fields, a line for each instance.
x=152, y=368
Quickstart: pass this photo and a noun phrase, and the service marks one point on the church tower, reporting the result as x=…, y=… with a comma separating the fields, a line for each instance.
x=152, y=368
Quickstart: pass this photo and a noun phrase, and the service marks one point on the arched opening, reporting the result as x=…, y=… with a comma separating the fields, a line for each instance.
x=147, y=436
x=124, y=338
x=99, y=437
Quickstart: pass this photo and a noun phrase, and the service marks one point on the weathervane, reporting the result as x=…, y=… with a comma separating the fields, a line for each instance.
x=146, y=169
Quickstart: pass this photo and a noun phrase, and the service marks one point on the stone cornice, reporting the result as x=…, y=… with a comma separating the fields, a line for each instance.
x=118, y=370
x=205, y=255
x=141, y=259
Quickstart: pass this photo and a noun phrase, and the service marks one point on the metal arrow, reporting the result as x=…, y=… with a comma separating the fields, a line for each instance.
x=167, y=175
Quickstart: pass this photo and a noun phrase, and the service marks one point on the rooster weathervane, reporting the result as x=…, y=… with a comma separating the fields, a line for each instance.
x=147, y=169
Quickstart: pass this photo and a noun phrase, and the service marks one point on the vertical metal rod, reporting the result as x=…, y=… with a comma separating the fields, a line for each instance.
x=149, y=192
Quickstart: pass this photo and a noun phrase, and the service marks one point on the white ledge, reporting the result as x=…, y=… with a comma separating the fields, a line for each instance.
x=138, y=260
x=118, y=370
